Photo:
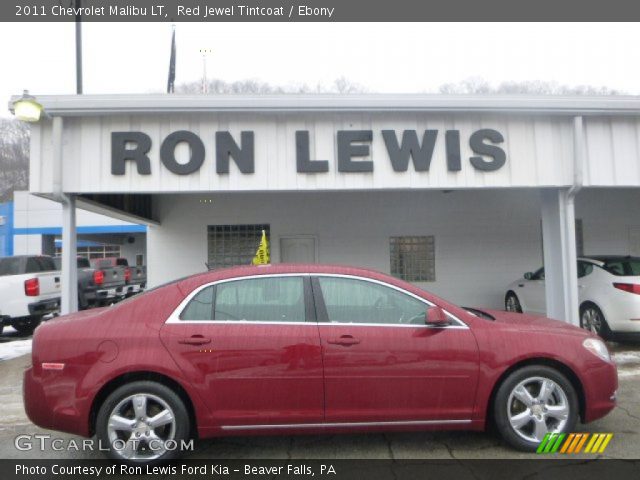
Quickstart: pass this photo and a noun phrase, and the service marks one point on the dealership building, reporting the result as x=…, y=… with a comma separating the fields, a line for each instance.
x=458, y=194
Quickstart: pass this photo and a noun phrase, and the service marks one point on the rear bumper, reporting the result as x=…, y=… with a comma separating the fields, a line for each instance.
x=48, y=405
x=600, y=388
x=45, y=307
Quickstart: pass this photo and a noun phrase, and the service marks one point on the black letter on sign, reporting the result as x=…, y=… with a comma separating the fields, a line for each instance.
x=303, y=157
x=410, y=148
x=452, y=140
x=346, y=150
x=227, y=147
x=168, y=151
x=478, y=146
x=120, y=153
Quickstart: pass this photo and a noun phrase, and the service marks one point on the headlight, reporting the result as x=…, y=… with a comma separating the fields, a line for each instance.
x=598, y=348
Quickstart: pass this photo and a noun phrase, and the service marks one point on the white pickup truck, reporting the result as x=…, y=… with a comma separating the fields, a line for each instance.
x=29, y=290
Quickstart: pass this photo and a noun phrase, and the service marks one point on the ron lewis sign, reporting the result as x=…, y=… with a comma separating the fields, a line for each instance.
x=352, y=151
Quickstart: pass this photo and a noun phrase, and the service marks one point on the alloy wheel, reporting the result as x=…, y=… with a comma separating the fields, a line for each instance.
x=537, y=406
x=140, y=426
x=591, y=320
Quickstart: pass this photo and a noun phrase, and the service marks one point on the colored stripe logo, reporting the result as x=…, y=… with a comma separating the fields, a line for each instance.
x=574, y=443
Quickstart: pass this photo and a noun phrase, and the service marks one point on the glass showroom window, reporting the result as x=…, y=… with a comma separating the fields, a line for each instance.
x=413, y=258
x=230, y=245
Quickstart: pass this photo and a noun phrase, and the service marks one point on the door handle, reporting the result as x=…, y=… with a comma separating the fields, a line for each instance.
x=521, y=284
x=344, y=340
x=195, y=340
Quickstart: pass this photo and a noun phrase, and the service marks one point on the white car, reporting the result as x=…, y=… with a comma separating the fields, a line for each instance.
x=608, y=290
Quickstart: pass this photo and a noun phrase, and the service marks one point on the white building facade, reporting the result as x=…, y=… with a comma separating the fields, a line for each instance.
x=460, y=195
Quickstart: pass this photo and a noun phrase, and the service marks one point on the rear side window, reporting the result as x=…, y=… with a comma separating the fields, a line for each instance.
x=9, y=266
x=272, y=299
x=623, y=267
x=200, y=307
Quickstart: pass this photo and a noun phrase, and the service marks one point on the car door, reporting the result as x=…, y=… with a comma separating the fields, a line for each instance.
x=531, y=293
x=382, y=363
x=251, y=349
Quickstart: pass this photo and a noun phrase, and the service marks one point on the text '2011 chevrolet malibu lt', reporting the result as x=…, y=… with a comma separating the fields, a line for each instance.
x=287, y=349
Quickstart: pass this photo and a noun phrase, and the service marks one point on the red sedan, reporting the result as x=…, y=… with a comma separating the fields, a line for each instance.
x=285, y=349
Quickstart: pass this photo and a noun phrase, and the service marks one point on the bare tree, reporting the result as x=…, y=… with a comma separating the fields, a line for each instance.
x=478, y=85
x=14, y=157
x=340, y=85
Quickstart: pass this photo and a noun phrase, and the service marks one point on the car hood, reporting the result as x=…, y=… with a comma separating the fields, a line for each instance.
x=529, y=322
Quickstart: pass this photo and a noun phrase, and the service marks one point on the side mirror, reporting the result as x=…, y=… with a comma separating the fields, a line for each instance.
x=528, y=276
x=436, y=316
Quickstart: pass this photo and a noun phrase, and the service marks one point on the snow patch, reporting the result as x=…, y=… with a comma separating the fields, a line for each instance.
x=13, y=349
x=625, y=358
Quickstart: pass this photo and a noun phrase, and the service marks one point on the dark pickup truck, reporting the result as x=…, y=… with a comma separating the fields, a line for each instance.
x=135, y=277
x=92, y=288
x=114, y=280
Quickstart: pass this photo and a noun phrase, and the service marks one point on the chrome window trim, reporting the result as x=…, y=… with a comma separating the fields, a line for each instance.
x=175, y=315
x=346, y=424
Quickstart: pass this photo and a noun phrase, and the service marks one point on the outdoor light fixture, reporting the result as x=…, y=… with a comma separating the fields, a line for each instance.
x=27, y=109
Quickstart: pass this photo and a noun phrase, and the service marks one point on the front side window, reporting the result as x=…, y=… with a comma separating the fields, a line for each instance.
x=271, y=299
x=349, y=300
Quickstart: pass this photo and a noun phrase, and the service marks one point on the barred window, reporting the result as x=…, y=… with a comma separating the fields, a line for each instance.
x=413, y=258
x=231, y=245
x=95, y=251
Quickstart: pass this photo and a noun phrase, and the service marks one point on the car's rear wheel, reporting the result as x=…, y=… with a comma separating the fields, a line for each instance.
x=534, y=401
x=142, y=423
x=26, y=325
x=592, y=319
x=511, y=303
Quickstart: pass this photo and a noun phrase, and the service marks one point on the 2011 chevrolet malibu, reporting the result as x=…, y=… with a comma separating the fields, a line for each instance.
x=284, y=349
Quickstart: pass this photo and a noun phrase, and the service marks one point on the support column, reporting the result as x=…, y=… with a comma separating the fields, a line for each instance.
x=560, y=264
x=69, y=292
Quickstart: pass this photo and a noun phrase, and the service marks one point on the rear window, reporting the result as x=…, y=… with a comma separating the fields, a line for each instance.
x=83, y=263
x=122, y=262
x=103, y=263
x=40, y=264
x=9, y=266
x=624, y=267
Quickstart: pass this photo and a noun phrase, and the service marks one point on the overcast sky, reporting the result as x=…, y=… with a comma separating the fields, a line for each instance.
x=386, y=57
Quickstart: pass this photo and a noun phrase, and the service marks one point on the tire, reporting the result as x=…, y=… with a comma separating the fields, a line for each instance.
x=524, y=428
x=26, y=325
x=592, y=319
x=511, y=303
x=120, y=403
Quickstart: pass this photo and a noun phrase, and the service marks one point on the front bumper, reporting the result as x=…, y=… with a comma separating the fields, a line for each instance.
x=600, y=388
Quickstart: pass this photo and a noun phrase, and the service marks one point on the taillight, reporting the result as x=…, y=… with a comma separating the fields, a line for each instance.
x=32, y=287
x=127, y=275
x=628, y=287
x=98, y=277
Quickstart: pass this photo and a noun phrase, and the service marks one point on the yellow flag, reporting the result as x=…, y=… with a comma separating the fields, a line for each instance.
x=262, y=255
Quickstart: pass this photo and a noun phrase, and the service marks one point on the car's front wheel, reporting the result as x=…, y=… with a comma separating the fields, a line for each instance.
x=532, y=402
x=142, y=422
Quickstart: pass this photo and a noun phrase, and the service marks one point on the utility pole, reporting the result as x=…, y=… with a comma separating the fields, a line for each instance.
x=78, y=48
x=205, y=83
